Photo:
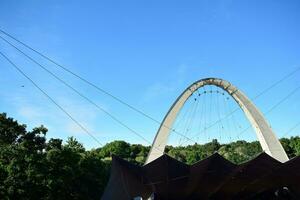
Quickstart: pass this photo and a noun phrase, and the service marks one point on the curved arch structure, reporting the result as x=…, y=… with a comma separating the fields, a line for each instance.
x=268, y=140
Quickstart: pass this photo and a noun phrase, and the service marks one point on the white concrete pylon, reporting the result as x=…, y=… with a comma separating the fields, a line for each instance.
x=266, y=137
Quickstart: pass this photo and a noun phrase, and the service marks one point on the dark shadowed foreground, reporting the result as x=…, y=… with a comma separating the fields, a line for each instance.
x=212, y=178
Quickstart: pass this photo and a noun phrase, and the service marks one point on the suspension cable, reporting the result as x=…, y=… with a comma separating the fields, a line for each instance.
x=266, y=113
x=187, y=122
x=221, y=126
x=201, y=122
x=192, y=115
x=254, y=98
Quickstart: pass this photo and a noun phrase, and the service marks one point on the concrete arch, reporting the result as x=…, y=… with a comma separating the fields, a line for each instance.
x=268, y=140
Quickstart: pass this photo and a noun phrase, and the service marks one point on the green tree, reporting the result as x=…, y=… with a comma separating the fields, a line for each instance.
x=119, y=148
x=32, y=168
x=74, y=145
x=10, y=130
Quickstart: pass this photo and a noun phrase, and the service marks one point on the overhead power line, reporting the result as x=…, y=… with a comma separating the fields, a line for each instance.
x=132, y=107
x=51, y=99
x=277, y=82
x=282, y=100
x=89, y=83
x=77, y=92
x=274, y=107
x=82, y=79
x=291, y=129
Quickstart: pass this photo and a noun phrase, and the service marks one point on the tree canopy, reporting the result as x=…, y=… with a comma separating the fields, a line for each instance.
x=33, y=168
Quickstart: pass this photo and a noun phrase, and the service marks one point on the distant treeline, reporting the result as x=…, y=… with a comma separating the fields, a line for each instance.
x=33, y=168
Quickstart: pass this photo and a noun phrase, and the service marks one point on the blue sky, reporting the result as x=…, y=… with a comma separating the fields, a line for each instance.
x=147, y=52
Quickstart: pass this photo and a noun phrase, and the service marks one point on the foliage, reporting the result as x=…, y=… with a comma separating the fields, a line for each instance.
x=33, y=168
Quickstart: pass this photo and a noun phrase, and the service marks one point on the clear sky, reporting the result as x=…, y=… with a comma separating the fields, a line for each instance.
x=147, y=52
